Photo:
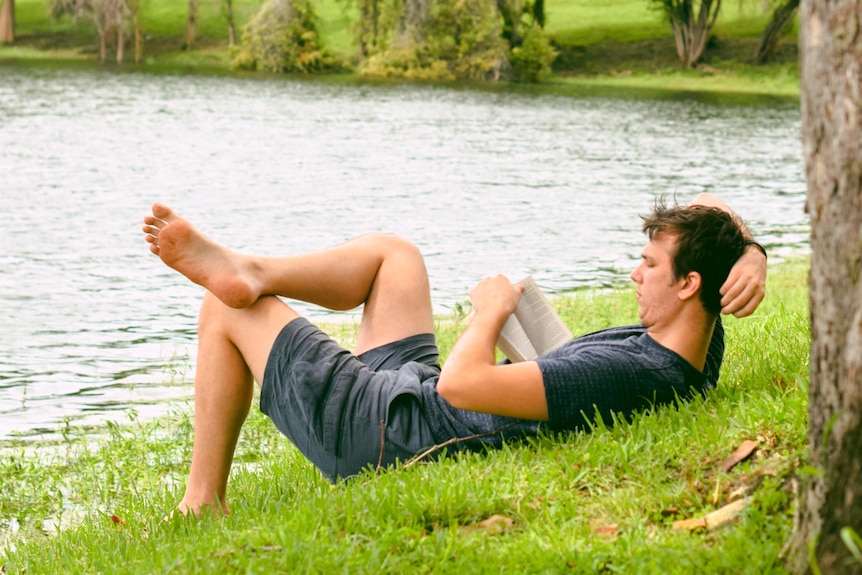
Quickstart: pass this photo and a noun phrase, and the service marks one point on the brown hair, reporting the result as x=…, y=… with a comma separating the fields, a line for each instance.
x=708, y=241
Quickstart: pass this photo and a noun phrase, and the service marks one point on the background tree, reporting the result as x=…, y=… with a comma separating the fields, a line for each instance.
x=191, y=24
x=282, y=37
x=781, y=18
x=231, y=26
x=114, y=19
x=7, y=21
x=539, y=12
x=831, y=103
x=692, y=22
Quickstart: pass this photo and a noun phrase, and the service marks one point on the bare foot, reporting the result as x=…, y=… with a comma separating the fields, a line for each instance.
x=199, y=510
x=228, y=275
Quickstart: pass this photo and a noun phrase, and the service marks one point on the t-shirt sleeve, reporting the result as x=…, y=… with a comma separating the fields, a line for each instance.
x=595, y=382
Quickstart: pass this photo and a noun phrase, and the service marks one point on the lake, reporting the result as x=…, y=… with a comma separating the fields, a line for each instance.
x=546, y=181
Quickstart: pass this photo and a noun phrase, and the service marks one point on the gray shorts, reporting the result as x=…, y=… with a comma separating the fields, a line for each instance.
x=336, y=406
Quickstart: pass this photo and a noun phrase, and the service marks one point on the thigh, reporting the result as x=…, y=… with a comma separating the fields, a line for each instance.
x=336, y=410
x=398, y=304
x=421, y=348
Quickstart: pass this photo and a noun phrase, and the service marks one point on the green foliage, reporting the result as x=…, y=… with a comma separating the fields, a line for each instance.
x=600, y=502
x=532, y=60
x=455, y=39
x=691, y=21
x=282, y=37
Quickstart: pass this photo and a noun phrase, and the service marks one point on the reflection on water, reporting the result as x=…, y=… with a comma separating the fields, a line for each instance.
x=484, y=181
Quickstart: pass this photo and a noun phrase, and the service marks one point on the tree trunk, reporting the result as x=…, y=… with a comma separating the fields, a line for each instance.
x=7, y=21
x=413, y=21
x=120, y=35
x=139, y=44
x=510, y=10
x=831, y=84
x=782, y=16
x=103, y=39
x=192, y=24
x=231, y=27
x=692, y=22
x=539, y=12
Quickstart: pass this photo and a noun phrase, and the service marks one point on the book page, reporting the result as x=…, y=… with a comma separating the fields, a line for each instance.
x=513, y=341
x=541, y=322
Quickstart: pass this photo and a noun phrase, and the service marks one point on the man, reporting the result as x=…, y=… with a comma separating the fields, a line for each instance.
x=389, y=400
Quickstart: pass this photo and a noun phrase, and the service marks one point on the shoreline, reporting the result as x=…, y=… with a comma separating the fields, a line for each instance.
x=722, y=79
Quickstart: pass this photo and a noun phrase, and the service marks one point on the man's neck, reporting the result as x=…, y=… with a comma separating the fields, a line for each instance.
x=688, y=335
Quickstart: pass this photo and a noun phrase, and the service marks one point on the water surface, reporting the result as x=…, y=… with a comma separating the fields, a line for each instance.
x=484, y=181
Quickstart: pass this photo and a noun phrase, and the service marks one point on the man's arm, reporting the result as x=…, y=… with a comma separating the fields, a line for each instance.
x=471, y=378
x=745, y=286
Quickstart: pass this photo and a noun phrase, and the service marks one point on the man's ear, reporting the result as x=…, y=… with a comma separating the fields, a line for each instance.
x=691, y=285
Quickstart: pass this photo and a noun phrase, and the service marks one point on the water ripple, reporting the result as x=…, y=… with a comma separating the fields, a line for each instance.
x=484, y=181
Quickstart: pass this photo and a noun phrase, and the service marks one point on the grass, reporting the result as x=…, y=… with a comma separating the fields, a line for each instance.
x=600, y=502
x=616, y=43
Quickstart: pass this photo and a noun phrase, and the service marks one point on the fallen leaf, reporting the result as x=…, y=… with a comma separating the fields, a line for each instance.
x=268, y=549
x=714, y=520
x=690, y=524
x=608, y=530
x=494, y=525
x=742, y=453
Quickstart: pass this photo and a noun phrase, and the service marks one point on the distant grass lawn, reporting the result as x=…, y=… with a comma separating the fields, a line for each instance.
x=622, y=43
x=600, y=502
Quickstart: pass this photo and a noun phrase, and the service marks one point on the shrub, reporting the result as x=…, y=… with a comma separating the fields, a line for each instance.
x=282, y=37
x=533, y=58
x=455, y=39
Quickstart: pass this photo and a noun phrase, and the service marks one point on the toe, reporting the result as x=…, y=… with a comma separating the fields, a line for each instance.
x=163, y=212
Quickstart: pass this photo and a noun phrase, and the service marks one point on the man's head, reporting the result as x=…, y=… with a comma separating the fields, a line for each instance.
x=706, y=241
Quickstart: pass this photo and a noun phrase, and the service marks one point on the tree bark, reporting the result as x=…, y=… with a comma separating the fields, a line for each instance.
x=120, y=32
x=831, y=103
x=192, y=24
x=139, y=43
x=7, y=21
x=231, y=27
x=539, y=12
x=782, y=16
x=692, y=22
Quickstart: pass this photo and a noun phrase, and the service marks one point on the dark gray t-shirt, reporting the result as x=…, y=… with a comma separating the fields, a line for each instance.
x=618, y=370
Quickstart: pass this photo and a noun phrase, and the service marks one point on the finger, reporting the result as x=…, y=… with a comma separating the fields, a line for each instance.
x=749, y=307
x=732, y=279
x=738, y=301
x=733, y=291
x=746, y=303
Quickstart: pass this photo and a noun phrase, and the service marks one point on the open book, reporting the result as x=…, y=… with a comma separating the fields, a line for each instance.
x=534, y=328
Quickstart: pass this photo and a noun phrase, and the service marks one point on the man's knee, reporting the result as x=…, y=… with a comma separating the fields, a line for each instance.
x=391, y=245
x=211, y=312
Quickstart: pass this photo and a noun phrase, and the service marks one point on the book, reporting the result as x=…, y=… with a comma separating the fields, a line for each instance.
x=535, y=327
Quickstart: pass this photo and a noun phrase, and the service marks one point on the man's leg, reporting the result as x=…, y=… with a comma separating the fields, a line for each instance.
x=384, y=273
x=238, y=327
x=233, y=346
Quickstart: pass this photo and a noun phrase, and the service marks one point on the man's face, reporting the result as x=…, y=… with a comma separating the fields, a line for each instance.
x=657, y=287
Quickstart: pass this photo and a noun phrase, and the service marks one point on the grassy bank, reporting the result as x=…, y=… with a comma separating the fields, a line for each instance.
x=600, y=502
x=617, y=43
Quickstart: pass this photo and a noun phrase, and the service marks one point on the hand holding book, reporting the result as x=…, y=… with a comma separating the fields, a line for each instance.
x=535, y=328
